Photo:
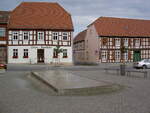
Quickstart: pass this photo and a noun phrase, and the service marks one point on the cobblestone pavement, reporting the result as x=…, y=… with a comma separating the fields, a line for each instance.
x=21, y=94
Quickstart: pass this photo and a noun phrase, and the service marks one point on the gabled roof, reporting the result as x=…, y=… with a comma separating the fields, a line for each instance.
x=4, y=16
x=40, y=15
x=109, y=26
x=80, y=37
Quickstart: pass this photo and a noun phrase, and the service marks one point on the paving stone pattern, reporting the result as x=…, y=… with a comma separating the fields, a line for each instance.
x=20, y=94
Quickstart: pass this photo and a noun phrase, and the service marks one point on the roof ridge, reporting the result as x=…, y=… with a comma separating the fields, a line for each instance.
x=126, y=18
x=47, y=3
x=37, y=2
x=78, y=36
x=54, y=16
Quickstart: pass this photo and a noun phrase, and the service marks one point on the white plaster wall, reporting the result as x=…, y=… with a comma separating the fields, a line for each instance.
x=2, y=42
x=32, y=55
x=48, y=54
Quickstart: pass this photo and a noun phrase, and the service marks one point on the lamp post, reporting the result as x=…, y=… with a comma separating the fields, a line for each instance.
x=123, y=50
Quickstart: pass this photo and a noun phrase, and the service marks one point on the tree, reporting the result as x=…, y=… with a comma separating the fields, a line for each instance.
x=58, y=50
x=123, y=50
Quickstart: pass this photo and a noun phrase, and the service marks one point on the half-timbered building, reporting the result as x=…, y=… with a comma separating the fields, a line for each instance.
x=4, y=16
x=34, y=31
x=111, y=40
x=79, y=48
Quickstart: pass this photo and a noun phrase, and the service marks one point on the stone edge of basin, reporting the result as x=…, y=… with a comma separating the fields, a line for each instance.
x=57, y=90
x=36, y=75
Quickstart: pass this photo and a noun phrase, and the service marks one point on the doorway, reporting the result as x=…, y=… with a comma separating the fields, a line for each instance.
x=136, y=56
x=40, y=55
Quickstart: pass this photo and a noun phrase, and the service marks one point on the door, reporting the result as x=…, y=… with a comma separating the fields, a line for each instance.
x=40, y=55
x=136, y=56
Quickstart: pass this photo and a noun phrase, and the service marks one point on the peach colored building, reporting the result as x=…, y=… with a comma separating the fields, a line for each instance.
x=107, y=36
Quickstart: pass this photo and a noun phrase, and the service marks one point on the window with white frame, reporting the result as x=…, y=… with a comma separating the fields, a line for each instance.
x=104, y=55
x=26, y=35
x=2, y=32
x=15, y=53
x=117, y=55
x=55, y=35
x=40, y=35
x=65, y=53
x=117, y=42
x=125, y=42
x=15, y=35
x=25, y=54
x=137, y=42
x=65, y=36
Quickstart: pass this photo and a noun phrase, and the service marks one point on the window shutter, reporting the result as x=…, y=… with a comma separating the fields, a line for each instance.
x=104, y=41
x=107, y=54
x=122, y=41
x=113, y=55
x=149, y=41
x=129, y=55
x=141, y=41
x=134, y=42
x=129, y=42
x=113, y=41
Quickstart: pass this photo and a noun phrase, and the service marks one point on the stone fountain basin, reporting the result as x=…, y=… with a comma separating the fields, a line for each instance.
x=62, y=81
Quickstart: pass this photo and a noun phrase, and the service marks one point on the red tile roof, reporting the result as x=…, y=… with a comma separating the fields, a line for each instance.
x=40, y=15
x=109, y=26
x=4, y=16
x=80, y=37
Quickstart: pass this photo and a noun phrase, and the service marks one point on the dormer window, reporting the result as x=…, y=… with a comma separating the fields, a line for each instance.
x=25, y=35
x=15, y=35
x=40, y=35
x=55, y=35
x=65, y=36
x=2, y=32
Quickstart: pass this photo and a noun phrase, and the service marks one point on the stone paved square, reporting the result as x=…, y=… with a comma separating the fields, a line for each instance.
x=20, y=94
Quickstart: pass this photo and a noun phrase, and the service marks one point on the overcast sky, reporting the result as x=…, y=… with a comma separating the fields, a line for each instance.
x=85, y=12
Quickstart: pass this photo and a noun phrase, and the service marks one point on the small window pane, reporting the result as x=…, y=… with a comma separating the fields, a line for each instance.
x=55, y=35
x=2, y=31
x=64, y=53
x=25, y=35
x=65, y=36
x=25, y=53
x=40, y=35
x=15, y=35
x=15, y=53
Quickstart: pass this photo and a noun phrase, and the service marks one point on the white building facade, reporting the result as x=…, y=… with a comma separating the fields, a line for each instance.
x=34, y=37
x=37, y=46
